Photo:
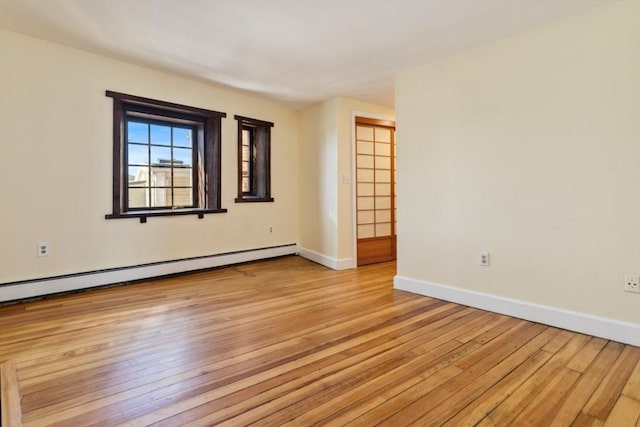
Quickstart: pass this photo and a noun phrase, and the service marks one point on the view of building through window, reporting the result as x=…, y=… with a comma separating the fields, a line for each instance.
x=246, y=160
x=160, y=164
x=166, y=158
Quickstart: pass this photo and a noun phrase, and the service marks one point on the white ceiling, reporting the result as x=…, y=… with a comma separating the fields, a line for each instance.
x=295, y=51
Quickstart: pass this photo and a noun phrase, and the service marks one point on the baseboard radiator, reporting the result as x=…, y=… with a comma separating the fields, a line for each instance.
x=72, y=282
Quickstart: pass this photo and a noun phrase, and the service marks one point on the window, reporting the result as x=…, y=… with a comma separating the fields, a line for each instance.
x=160, y=158
x=254, y=160
x=166, y=158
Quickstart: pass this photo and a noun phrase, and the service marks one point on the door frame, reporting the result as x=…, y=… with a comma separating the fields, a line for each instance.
x=354, y=220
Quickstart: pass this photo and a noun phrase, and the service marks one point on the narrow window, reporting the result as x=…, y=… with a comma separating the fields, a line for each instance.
x=247, y=161
x=254, y=160
x=166, y=158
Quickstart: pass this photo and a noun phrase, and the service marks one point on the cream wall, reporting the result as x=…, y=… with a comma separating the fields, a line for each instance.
x=55, y=166
x=529, y=149
x=326, y=200
x=318, y=179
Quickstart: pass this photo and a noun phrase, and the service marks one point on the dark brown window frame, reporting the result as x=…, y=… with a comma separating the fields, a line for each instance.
x=208, y=162
x=196, y=148
x=260, y=162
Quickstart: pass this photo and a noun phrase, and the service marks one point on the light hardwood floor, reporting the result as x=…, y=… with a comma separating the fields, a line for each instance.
x=289, y=342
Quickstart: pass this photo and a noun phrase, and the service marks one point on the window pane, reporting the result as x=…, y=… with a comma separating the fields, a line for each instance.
x=138, y=198
x=160, y=135
x=182, y=157
x=182, y=197
x=161, y=156
x=245, y=184
x=182, y=137
x=246, y=137
x=137, y=154
x=182, y=177
x=160, y=197
x=138, y=176
x=245, y=153
x=161, y=177
x=137, y=132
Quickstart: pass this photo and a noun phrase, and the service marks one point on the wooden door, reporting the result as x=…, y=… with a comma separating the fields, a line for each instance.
x=375, y=191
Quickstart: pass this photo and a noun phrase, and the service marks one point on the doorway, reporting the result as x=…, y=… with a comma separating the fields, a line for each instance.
x=375, y=190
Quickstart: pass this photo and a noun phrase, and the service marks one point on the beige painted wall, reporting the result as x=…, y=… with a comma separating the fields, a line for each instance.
x=326, y=201
x=318, y=178
x=55, y=166
x=529, y=149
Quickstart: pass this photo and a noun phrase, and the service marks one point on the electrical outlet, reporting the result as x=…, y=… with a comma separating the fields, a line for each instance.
x=632, y=283
x=484, y=259
x=270, y=229
x=43, y=249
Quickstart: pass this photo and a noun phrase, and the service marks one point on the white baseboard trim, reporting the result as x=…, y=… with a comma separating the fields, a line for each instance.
x=346, y=263
x=327, y=261
x=53, y=285
x=616, y=330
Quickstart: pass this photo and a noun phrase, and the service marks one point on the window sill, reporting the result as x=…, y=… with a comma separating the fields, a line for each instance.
x=144, y=214
x=249, y=199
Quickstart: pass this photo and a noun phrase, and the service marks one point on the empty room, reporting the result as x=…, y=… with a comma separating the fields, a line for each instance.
x=319, y=212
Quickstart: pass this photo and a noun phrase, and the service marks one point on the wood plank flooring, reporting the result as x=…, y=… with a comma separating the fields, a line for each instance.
x=289, y=342
x=10, y=410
